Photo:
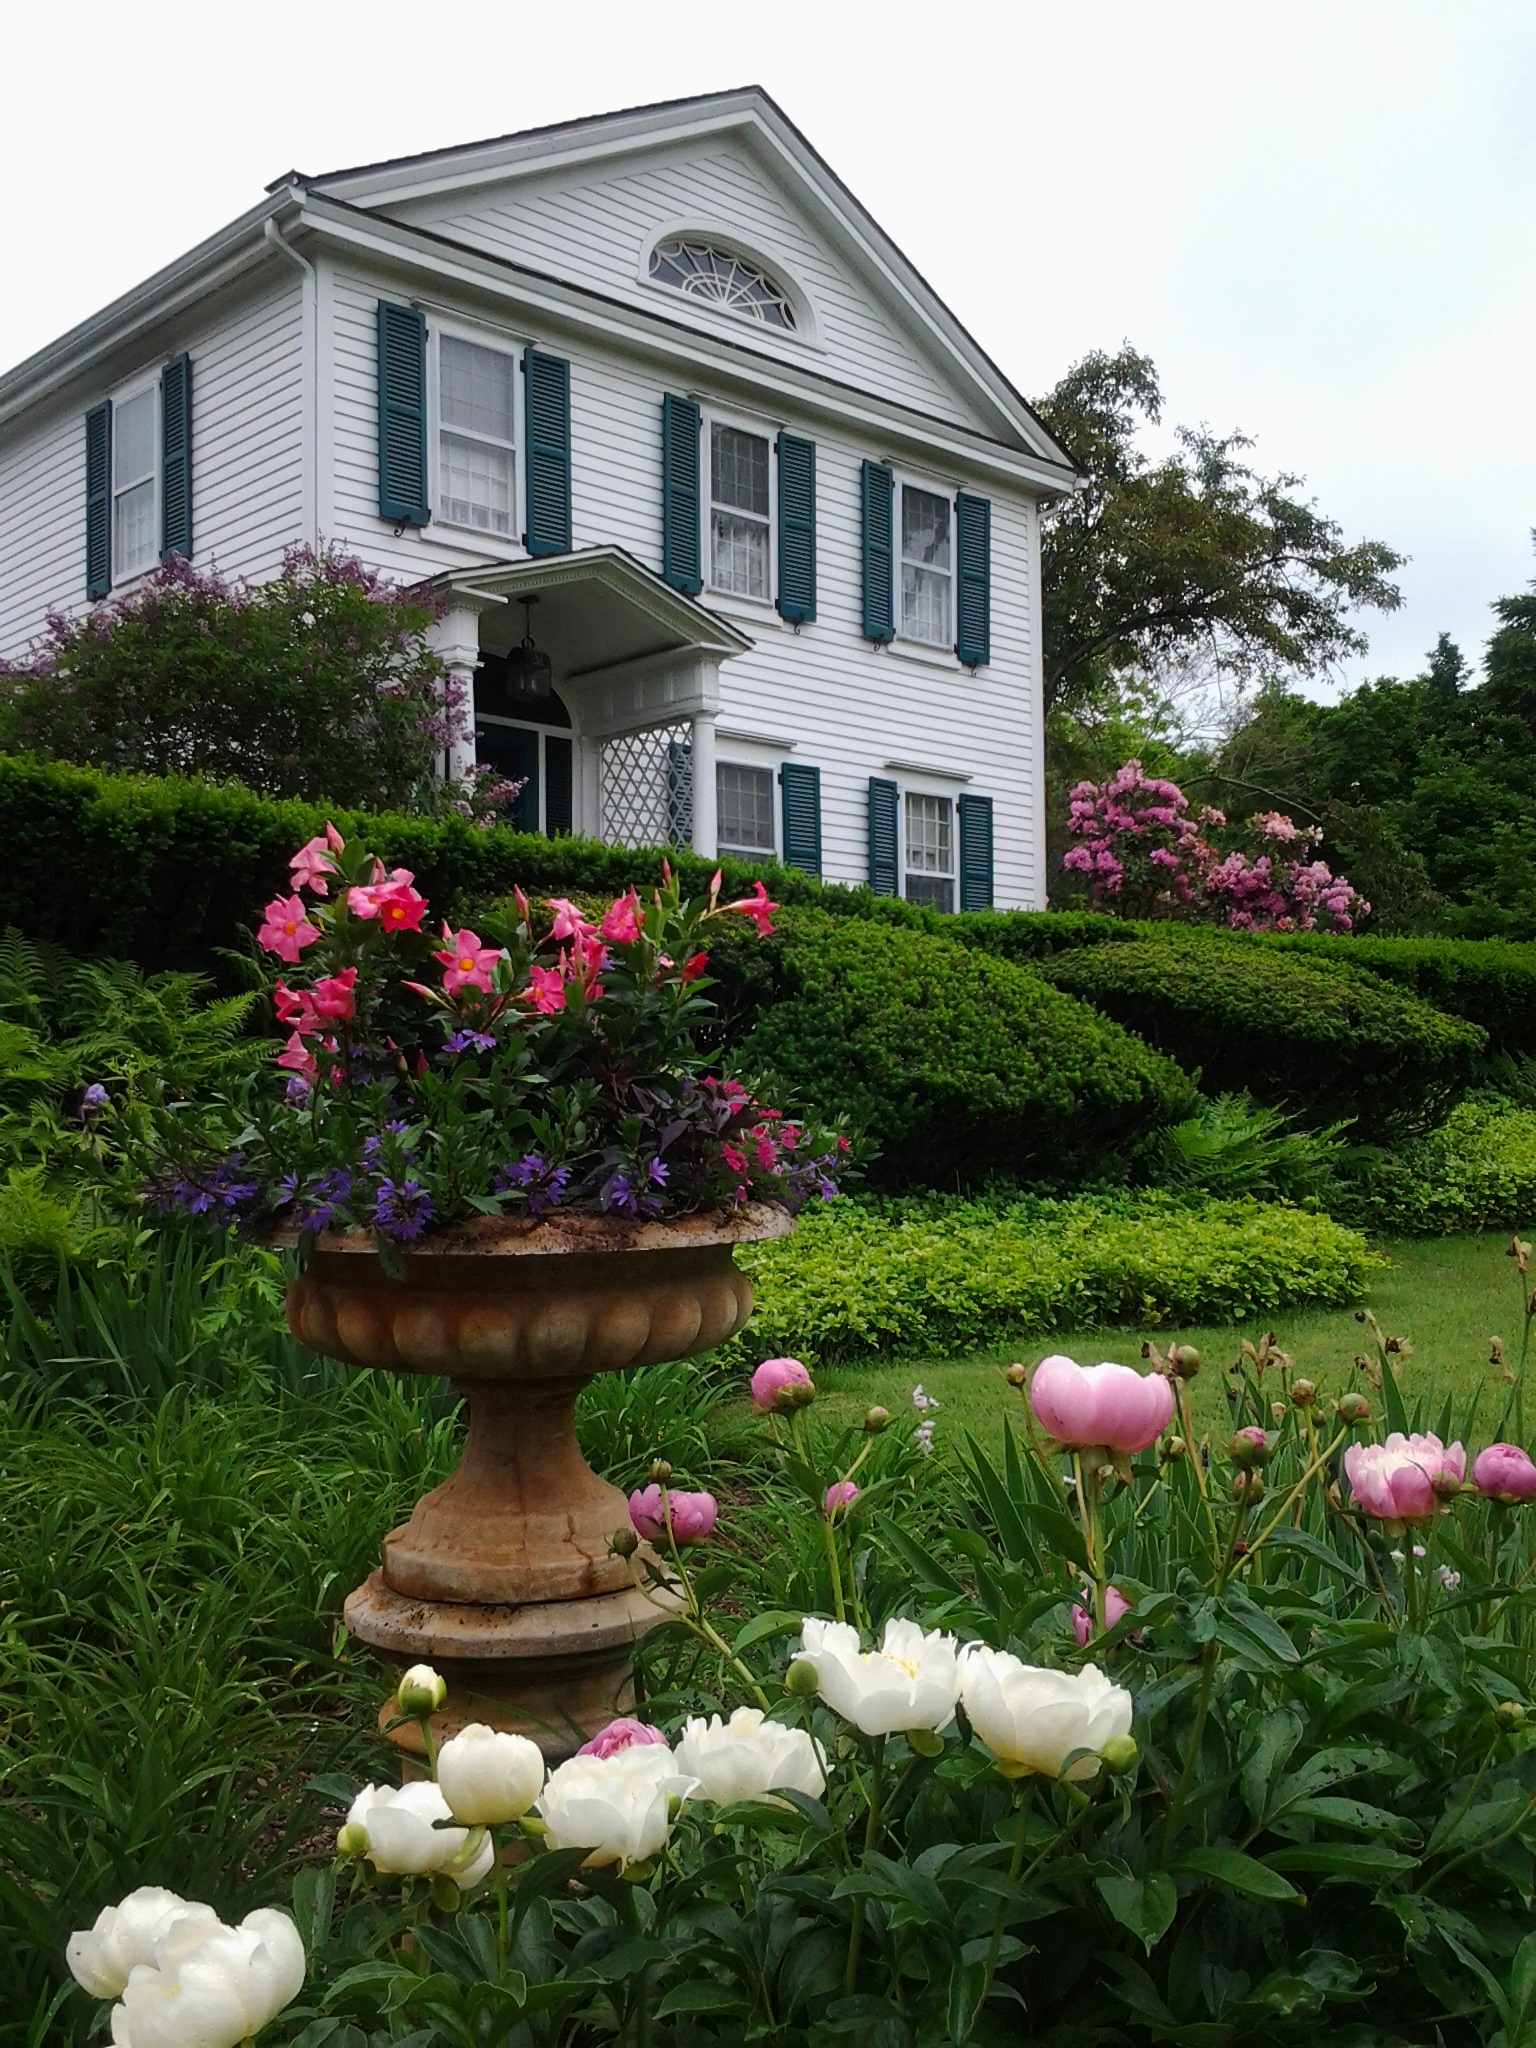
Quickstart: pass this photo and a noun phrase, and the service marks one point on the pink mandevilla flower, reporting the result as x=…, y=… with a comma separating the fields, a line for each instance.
x=1111, y=1405
x=286, y=929
x=693, y=1515
x=624, y=1733
x=1504, y=1472
x=297, y=1056
x=622, y=919
x=775, y=1374
x=334, y=996
x=1115, y=1605
x=1395, y=1481
x=315, y=861
x=397, y=906
x=839, y=1497
x=569, y=922
x=465, y=962
x=758, y=906
x=545, y=990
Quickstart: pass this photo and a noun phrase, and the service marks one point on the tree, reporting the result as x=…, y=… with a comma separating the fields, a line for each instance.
x=1447, y=670
x=1153, y=560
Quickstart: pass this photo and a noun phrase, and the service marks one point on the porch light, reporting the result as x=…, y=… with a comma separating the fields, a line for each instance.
x=530, y=673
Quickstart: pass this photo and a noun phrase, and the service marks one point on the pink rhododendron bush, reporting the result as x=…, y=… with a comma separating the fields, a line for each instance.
x=1135, y=1731
x=1144, y=851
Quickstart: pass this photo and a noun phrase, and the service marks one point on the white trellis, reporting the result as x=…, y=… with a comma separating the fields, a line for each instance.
x=647, y=786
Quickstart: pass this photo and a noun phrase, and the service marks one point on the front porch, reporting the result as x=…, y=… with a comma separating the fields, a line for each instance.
x=622, y=747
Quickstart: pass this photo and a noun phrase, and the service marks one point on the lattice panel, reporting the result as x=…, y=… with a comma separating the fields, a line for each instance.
x=648, y=787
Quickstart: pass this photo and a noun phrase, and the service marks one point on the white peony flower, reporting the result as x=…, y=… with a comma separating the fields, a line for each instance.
x=488, y=1776
x=212, y=1992
x=749, y=1757
x=401, y=1839
x=911, y=1681
x=421, y=1691
x=101, y=1957
x=1032, y=1719
x=617, y=1806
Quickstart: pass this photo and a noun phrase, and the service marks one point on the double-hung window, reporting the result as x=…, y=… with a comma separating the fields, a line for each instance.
x=135, y=483
x=744, y=801
x=930, y=850
x=477, y=454
x=740, y=512
x=927, y=567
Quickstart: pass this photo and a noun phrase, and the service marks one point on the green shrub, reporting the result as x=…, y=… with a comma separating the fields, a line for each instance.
x=956, y=1064
x=1491, y=982
x=862, y=1278
x=1476, y=1172
x=1026, y=936
x=1313, y=1035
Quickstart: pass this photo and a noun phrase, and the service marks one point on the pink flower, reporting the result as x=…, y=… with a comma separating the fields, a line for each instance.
x=1395, y=1481
x=396, y=905
x=297, y=1055
x=692, y=1515
x=841, y=1494
x=287, y=930
x=621, y=921
x=295, y=1006
x=465, y=962
x=333, y=996
x=1115, y=1604
x=315, y=860
x=694, y=966
x=1504, y=1472
x=625, y=1733
x=775, y=1374
x=758, y=907
x=1108, y=1405
x=545, y=990
x=569, y=922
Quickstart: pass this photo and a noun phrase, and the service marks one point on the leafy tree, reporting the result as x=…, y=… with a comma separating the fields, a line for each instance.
x=1154, y=559
x=1447, y=669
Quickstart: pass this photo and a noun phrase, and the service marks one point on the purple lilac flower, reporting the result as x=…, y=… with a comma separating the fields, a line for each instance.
x=466, y=1041
x=402, y=1210
x=93, y=1101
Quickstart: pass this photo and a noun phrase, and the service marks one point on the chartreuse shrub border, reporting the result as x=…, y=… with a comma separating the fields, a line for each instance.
x=866, y=1278
x=1476, y=1172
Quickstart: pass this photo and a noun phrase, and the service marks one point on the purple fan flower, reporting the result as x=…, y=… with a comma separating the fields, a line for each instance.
x=324, y=1199
x=93, y=1101
x=466, y=1041
x=403, y=1209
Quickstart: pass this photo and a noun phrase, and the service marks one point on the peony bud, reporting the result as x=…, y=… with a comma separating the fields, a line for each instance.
x=1017, y=1375
x=1303, y=1393
x=1510, y=1714
x=1277, y=1410
x=1353, y=1408
x=800, y=1680
x=352, y=1840
x=660, y=1471
x=925, y=1742
x=876, y=1419
x=1247, y=1489
x=1185, y=1360
x=1175, y=1447
x=1249, y=1448
x=798, y=1394
x=1446, y=1484
x=1121, y=1754
x=624, y=1542
x=422, y=1691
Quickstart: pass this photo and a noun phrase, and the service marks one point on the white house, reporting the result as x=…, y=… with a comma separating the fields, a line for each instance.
x=658, y=371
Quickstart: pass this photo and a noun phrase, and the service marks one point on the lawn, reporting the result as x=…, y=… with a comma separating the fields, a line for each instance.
x=1447, y=1296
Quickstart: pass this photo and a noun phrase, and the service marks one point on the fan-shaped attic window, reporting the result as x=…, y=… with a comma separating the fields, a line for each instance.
x=705, y=271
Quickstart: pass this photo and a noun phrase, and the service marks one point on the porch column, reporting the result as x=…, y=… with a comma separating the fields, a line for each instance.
x=456, y=639
x=705, y=825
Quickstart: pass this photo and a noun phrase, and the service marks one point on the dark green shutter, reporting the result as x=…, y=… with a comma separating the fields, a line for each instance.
x=973, y=554
x=975, y=853
x=402, y=415
x=797, y=527
x=680, y=557
x=559, y=812
x=879, y=492
x=883, y=876
x=547, y=415
x=98, y=499
x=176, y=458
x=802, y=816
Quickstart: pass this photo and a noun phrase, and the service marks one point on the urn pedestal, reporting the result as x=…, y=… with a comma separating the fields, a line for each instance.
x=503, y=1577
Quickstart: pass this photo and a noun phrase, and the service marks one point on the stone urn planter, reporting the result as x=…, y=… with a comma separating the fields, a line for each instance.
x=503, y=1577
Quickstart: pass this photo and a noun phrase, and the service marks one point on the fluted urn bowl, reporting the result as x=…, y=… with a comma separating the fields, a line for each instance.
x=505, y=1571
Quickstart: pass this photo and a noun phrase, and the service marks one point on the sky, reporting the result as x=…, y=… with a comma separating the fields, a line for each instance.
x=1318, y=220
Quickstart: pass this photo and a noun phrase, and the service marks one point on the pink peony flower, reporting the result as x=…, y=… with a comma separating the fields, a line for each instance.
x=775, y=1374
x=624, y=1733
x=545, y=990
x=622, y=920
x=287, y=929
x=693, y=1515
x=1083, y=1623
x=758, y=907
x=1108, y=1405
x=334, y=997
x=465, y=962
x=1504, y=1472
x=841, y=1494
x=397, y=906
x=1395, y=1481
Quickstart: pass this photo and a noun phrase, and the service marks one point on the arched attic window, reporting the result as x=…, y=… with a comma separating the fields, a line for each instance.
x=704, y=270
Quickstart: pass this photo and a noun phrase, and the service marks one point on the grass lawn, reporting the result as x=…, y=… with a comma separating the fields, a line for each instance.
x=1447, y=1296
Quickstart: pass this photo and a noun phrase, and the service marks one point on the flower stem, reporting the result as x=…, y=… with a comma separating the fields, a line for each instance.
x=871, y=1836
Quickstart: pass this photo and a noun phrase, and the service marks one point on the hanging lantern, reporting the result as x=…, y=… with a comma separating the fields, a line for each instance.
x=530, y=672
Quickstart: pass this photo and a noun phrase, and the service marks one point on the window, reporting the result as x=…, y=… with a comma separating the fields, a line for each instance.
x=706, y=272
x=135, y=484
x=744, y=799
x=926, y=557
x=738, y=511
x=930, y=851
x=477, y=481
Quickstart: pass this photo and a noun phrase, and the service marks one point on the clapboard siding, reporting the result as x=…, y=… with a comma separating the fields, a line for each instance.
x=593, y=230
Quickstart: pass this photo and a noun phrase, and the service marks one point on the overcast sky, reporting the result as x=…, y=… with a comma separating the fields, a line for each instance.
x=1319, y=220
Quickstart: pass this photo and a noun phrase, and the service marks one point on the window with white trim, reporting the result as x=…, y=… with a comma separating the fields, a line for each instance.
x=476, y=442
x=744, y=809
x=927, y=566
x=740, y=512
x=135, y=483
x=930, y=850
x=705, y=271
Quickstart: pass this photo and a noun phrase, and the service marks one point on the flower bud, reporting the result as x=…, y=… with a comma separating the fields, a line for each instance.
x=1120, y=1754
x=624, y=1542
x=1277, y=1410
x=445, y=1894
x=876, y=1419
x=1174, y=1447
x=798, y=1394
x=1353, y=1408
x=660, y=1471
x=1445, y=1485
x=1303, y=1393
x=1017, y=1375
x=532, y=1824
x=1247, y=1489
x=1249, y=1448
x=800, y=1680
x=422, y=1691
x=352, y=1840
x=1510, y=1714
x=924, y=1742
x=1185, y=1360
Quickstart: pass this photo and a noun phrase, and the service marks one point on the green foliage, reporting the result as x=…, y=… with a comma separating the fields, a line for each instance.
x=1477, y=1171
x=1294, y=1030
x=1490, y=982
x=921, y=1275
x=1234, y=1146
x=956, y=1065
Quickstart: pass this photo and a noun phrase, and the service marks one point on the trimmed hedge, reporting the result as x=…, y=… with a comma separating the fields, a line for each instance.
x=1491, y=982
x=1476, y=1172
x=864, y=1278
x=1310, y=1034
x=957, y=1064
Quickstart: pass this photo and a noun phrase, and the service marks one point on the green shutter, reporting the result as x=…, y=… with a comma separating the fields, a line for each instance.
x=802, y=816
x=98, y=500
x=797, y=527
x=547, y=420
x=176, y=458
x=559, y=811
x=402, y=415
x=883, y=876
x=973, y=555
x=680, y=559
x=975, y=853
x=879, y=491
